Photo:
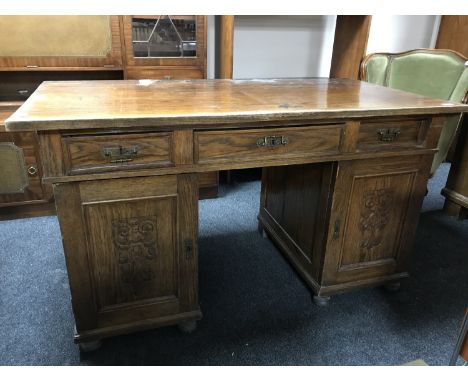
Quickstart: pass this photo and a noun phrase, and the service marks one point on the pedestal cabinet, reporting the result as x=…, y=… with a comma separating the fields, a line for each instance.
x=131, y=251
x=345, y=224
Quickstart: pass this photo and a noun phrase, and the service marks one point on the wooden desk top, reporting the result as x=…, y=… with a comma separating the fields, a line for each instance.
x=105, y=104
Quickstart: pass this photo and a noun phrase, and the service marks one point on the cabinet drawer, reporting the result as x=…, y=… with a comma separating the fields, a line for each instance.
x=86, y=154
x=391, y=134
x=227, y=145
x=174, y=73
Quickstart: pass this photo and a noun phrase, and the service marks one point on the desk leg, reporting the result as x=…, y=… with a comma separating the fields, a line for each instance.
x=131, y=252
x=346, y=225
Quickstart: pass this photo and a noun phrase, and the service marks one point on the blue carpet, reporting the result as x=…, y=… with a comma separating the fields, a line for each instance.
x=256, y=309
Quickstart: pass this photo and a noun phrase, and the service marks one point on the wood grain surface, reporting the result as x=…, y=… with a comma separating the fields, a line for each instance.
x=209, y=103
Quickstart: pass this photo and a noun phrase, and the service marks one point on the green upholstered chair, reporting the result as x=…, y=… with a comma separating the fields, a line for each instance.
x=436, y=73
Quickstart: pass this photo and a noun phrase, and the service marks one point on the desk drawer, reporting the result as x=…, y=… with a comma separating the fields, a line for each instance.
x=391, y=134
x=227, y=145
x=87, y=154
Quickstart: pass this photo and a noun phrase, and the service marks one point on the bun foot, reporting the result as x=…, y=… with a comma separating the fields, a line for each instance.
x=321, y=300
x=87, y=347
x=187, y=327
x=392, y=287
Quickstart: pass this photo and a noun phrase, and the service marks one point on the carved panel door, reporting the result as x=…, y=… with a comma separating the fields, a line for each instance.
x=375, y=209
x=137, y=259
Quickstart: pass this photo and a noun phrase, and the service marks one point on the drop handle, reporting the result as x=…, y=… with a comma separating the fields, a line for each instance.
x=388, y=135
x=272, y=141
x=120, y=154
x=23, y=92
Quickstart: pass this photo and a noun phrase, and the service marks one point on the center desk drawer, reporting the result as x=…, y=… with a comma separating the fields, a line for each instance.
x=227, y=145
x=86, y=154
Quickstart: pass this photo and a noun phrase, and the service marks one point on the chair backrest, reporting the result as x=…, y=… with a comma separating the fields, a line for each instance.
x=435, y=73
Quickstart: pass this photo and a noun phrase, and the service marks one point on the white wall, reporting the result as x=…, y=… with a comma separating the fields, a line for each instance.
x=283, y=46
x=394, y=34
x=301, y=46
x=210, y=48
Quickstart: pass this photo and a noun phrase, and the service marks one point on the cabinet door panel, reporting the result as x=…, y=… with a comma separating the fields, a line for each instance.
x=375, y=219
x=133, y=256
x=35, y=42
x=35, y=191
x=374, y=215
x=138, y=256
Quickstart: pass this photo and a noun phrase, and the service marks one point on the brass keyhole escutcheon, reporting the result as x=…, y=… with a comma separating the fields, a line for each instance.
x=32, y=170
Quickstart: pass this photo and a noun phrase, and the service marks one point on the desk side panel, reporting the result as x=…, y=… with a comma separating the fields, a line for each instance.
x=294, y=211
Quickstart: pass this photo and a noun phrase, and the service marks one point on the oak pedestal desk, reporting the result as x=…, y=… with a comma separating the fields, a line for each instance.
x=346, y=165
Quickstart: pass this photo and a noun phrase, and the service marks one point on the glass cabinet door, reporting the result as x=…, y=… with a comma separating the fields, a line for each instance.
x=164, y=40
x=164, y=36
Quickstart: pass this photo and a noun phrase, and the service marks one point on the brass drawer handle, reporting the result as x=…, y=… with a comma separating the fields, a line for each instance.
x=388, y=135
x=32, y=170
x=272, y=141
x=120, y=154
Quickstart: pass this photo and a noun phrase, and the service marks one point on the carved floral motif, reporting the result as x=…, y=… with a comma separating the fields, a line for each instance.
x=135, y=245
x=375, y=216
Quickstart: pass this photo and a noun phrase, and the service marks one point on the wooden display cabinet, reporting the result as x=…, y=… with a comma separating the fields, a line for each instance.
x=165, y=47
x=35, y=198
x=107, y=54
x=34, y=49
